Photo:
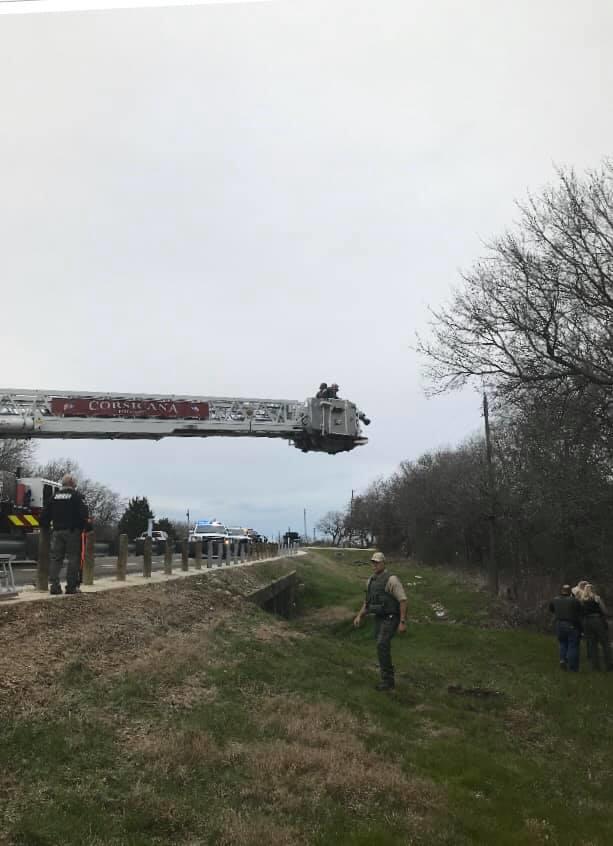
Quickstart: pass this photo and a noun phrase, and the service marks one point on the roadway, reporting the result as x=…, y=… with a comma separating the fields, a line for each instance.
x=105, y=567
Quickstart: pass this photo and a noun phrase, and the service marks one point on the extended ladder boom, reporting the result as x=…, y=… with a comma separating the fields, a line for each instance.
x=330, y=425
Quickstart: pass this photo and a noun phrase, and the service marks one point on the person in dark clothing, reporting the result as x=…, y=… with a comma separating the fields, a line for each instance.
x=322, y=393
x=596, y=628
x=333, y=391
x=67, y=515
x=567, y=611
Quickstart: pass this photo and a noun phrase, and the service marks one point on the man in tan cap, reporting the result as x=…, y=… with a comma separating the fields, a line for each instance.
x=386, y=599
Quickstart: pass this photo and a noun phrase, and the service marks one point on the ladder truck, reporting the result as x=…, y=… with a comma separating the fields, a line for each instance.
x=313, y=425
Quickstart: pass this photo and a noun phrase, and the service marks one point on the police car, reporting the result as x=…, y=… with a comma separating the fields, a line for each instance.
x=210, y=531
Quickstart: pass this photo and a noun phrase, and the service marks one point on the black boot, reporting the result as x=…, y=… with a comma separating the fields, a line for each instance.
x=55, y=590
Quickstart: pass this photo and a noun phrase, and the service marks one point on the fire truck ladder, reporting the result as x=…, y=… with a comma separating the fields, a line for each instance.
x=315, y=425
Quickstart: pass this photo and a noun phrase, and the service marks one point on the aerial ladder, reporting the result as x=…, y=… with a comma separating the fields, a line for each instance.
x=315, y=425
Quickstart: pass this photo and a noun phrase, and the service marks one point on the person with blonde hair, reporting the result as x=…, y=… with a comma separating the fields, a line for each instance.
x=595, y=627
x=577, y=591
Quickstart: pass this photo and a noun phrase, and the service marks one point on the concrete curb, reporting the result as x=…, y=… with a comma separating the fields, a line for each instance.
x=30, y=594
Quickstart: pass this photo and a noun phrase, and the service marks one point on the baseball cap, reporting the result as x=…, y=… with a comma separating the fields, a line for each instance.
x=378, y=557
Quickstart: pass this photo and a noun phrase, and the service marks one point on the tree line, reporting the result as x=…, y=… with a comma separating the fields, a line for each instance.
x=110, y=512
x=531, y=324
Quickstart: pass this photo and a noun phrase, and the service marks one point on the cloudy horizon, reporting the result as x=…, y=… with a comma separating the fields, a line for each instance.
x=245, y=200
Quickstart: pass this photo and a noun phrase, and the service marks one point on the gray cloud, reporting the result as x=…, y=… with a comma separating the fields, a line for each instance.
x=247, y=200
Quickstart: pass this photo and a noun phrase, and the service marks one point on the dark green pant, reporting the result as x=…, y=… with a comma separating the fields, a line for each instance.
x=597, y=633
x=65, y=544
x=385, y=629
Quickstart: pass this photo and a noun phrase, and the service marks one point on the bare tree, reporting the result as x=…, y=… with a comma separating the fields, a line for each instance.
x=536, y=314
x=105, y=505
x=58, y=467
x=333, y=525
x=16, y=456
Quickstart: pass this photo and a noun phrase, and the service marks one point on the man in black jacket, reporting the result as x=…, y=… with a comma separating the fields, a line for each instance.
x=567, y=612
x=66, y=513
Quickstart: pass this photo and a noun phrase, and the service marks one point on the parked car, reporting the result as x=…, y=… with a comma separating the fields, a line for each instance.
x=240, y=537
x=158, y=542
x=209, y=531
x=256, y=537
x=156, y=535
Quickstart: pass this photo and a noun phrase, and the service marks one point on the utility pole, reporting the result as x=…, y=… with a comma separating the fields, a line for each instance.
x=306, y=540
x=187, y=515
x=493, y=563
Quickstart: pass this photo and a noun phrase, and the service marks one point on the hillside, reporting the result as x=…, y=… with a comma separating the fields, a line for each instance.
x=182, y=714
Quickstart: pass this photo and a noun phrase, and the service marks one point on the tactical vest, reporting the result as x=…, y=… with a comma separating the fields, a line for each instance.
x=378, y=600
x=67, y=510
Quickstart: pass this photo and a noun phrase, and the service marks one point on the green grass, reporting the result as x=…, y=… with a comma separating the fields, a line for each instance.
x=274, y=733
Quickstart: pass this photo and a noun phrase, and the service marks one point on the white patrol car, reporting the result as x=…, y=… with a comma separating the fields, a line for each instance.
x=210, y=531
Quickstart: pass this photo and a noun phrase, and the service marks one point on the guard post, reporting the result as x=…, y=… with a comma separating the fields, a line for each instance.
x=42, y=567
x=147, y=552
x=122, y=558
x=168, y=551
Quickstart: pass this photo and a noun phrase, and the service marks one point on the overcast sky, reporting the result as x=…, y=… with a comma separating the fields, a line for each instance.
x=245, y=200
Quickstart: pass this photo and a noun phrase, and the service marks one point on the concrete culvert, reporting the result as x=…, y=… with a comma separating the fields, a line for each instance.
x=279, y=597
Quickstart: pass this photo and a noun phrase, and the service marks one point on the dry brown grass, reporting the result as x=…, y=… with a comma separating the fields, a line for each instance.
x=320, y=753
x=324, y=751
x=276, y=630
x=140, y=629
x=172, y=752
x=241, y=828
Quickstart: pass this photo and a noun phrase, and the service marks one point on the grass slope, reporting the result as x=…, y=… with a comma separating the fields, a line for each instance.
x=202, y=720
